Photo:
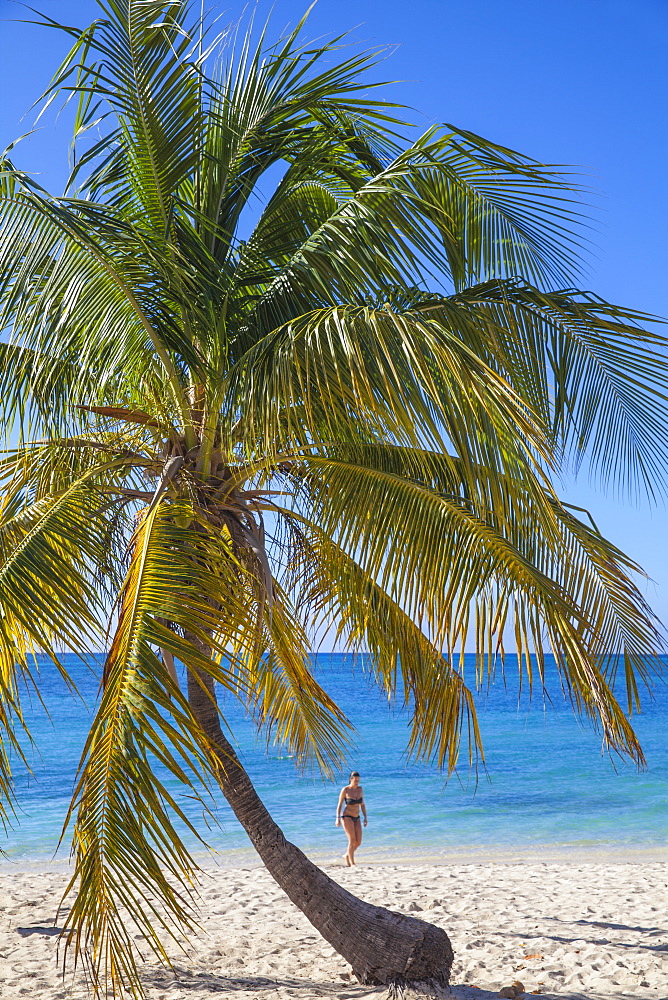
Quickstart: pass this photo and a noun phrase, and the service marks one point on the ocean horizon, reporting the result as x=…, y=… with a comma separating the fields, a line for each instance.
x=548, y=792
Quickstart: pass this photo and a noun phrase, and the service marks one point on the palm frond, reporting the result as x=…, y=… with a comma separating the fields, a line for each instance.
x=273, y=103
x=335, y=588
x=387, y=374
x=509, y=214
x=139, y=60
x=132, y=871
x=69, y=301
x=286, y=700
x=595, y=372
x=51, y=596
x=50, y=551
x=453, y=567
x=451, y=207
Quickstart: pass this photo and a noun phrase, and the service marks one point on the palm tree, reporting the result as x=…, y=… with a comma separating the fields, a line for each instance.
x=274, y=367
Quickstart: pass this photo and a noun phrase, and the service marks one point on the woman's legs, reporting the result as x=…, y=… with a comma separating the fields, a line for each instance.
x=353, y=830
x=349, y=830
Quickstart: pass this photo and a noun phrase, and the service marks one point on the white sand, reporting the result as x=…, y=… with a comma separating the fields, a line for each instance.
x=595, y=931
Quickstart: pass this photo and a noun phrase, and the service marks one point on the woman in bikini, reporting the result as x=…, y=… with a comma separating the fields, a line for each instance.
x=352, y=798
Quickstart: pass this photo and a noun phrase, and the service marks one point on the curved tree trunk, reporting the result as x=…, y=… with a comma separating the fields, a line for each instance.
x=381, y=946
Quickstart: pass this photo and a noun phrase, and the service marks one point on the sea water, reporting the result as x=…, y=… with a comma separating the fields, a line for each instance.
x=546, y=791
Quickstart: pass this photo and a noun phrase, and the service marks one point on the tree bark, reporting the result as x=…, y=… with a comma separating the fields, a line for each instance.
x=381, y=946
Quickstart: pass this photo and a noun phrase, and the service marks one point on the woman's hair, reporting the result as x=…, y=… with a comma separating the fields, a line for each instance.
x=353, y=774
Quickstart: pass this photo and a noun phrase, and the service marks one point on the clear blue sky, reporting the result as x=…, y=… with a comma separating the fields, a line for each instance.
x=579, y=82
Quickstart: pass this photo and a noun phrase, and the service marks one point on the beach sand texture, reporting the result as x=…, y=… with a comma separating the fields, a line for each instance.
x=595, y=931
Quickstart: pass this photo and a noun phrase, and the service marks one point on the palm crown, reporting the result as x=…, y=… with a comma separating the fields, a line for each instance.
x=276, y=368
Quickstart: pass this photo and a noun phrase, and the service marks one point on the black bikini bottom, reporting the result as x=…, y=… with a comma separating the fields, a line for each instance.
x=355, y=819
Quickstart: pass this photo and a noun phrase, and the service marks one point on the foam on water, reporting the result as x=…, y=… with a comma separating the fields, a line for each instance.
x=548, y=792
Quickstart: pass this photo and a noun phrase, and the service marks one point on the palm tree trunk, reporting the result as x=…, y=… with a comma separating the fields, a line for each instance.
x=381, y=946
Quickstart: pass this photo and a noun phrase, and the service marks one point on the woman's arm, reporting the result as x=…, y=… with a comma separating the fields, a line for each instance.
x=363, y=807
x=338, y=808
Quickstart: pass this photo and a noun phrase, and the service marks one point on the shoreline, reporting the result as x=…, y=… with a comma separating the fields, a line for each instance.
x=246, y=858
x=571, y=931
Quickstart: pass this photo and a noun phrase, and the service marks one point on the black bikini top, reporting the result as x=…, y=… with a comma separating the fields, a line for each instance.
x=353, y=802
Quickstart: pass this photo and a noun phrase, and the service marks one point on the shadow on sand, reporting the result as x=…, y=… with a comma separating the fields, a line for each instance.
x=203, y=983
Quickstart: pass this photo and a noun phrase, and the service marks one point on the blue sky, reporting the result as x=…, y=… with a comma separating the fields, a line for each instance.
x=576, y=82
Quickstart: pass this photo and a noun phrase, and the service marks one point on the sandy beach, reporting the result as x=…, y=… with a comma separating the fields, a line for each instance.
x=595, y=931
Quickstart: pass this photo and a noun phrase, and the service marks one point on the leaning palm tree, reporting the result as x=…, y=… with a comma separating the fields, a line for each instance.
x=273, y=369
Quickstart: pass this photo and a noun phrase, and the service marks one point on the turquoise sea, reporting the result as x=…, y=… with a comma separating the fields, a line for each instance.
x=547, y=792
